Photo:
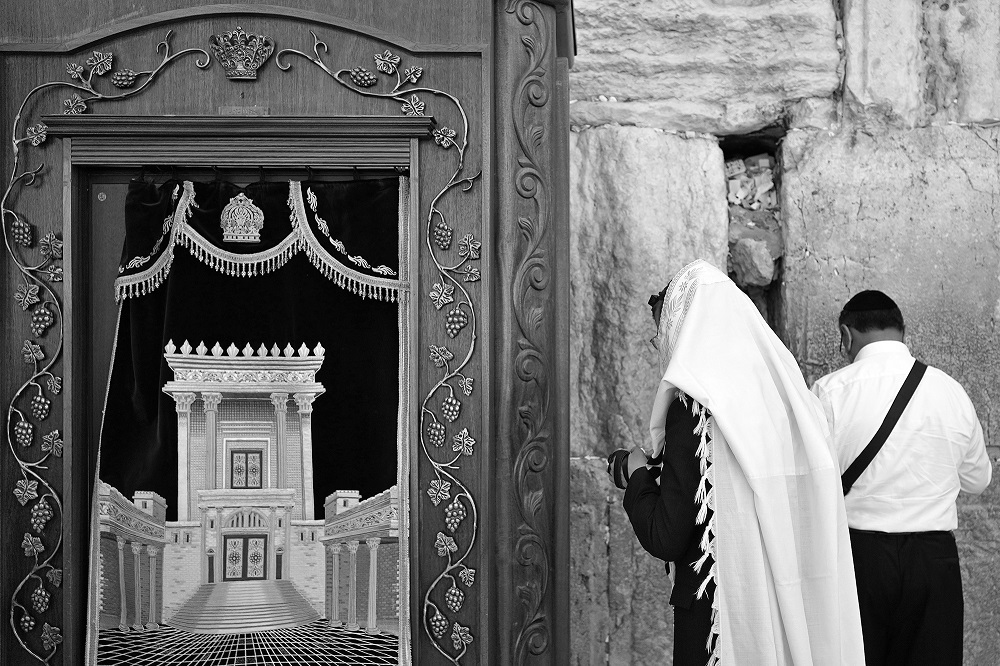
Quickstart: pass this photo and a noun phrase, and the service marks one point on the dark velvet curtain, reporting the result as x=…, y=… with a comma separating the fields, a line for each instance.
x=354, y=421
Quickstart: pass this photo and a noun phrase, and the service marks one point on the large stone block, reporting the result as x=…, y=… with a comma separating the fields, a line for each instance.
x=644, y=204
x=618, y=592
x=916, y=214
x=924, y=62
x=721, y=66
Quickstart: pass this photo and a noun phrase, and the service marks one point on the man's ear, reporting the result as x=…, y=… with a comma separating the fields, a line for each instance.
x=846, y=338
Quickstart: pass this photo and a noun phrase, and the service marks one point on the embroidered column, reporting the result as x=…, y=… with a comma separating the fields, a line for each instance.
x=153, y=614
x=137, y=568
x=280, y=402
x=184, y=402
x=304, y=402
x=272, y=537
x=211, y=401
x=352, y=590
x=372, y=627
x=286, y=561
x=334, y=614
x=123, y=619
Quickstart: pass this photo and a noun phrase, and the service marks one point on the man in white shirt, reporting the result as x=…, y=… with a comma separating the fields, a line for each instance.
x=901, y=509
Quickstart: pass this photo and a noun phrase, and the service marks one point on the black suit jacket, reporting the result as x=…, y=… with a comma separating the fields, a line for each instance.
x=663, y=516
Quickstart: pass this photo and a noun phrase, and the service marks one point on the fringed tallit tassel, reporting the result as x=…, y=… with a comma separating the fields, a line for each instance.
x=705, y=498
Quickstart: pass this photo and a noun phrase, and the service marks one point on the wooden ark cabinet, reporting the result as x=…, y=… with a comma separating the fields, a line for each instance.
x=469, y=99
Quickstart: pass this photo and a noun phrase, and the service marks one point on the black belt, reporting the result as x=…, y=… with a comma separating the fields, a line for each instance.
x=876, y=532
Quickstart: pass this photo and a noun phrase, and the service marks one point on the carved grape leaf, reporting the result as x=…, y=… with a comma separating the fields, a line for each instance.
x=100, y=63
x=467, y=576
x=55, y=577
x=469, y=247
x=32, y=545
x=471, y=274
x=412, y=74
x=463, y=442
x=74, y=105
x=25, y=491
x=441, y=294
x=74, y=70
x=460, y=636
x=440, y=355
x=413, y=106
x=26, y=295
x=444, y=544
x=31, y=352
x=439, y=491
x=53, y=442
x=444, y=137
x=51, y=246
x=54, y=273
x=37, y=134
x=50, y=636
x=386, y=62
x=54, y=384
x=466, y=385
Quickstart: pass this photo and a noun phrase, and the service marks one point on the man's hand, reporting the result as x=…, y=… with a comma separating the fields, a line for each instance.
x=621, y=464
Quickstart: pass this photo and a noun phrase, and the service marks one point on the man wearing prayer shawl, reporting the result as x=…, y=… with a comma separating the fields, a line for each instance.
x=749, y=504
x=901, y=509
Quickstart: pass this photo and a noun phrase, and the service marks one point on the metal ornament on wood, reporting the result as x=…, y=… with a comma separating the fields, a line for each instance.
x=39, y=265
x=447, y=620
x=242, y=220
x=242, y=53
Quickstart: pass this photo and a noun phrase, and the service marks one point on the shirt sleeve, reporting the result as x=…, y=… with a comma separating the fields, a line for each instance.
x=663, y=516
x=824, y=399
x=976, y=470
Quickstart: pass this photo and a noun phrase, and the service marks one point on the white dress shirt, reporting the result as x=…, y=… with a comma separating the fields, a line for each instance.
x=936, y=448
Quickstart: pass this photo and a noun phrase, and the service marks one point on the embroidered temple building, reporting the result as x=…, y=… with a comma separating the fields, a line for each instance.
x=245, y=529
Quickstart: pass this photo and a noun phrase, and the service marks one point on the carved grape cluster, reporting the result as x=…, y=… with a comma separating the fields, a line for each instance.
x=40, y=600
x=454, y=514
x=442, y=235
x=450, y=408
x=27, y=622
x=454, y=599
x=123, y=78
x=20, y=231
x=439, y=624
x=40, y=406
x=41, y=319
x=41, y=513
x=457, y=319
x=436, y=433
x=23, y=432
x=362, y=77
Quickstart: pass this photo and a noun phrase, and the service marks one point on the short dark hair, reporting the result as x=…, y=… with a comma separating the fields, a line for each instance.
x=876, y=319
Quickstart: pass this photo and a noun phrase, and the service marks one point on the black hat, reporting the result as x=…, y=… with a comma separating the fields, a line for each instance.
x=870, y=300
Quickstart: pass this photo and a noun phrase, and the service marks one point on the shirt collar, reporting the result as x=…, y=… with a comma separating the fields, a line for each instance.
x=882, y=347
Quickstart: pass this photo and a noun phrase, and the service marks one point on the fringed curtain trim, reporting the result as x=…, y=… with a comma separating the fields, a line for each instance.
x=301, y=239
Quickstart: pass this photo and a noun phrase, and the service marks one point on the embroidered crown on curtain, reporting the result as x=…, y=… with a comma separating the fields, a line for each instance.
x=241, y=222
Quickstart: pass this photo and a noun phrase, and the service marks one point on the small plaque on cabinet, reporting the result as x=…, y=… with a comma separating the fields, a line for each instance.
x=244, y=111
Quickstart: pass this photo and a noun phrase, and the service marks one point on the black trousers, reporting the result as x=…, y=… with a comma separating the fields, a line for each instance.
x=692, y=626
x=910, y=592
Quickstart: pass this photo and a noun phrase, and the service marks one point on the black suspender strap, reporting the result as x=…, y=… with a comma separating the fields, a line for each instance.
x=861, y=463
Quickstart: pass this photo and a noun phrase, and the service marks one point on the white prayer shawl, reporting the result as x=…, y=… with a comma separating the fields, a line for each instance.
x=785, y=588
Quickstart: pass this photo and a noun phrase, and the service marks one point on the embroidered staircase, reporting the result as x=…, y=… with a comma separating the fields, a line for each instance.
x=242, y=607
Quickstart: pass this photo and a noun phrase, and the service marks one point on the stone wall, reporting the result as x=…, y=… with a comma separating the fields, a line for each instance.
x=307, y=561
x=887, y=176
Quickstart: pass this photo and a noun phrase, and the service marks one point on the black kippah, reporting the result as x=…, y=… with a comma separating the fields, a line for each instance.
x=869, y=300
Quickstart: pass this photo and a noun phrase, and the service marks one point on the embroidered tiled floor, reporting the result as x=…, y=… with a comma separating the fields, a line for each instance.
x=312, y=644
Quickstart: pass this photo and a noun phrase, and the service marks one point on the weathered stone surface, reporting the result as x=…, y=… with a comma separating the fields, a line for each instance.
x=618, y=592
x=923, y=63
x=916, y=214
x=751, y=263
x=722, y=66
x=644, y=204
x=962, y=40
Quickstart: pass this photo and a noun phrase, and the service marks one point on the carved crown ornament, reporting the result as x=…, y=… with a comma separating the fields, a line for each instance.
x=242, y=53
